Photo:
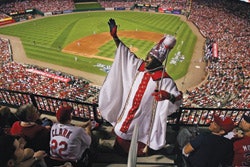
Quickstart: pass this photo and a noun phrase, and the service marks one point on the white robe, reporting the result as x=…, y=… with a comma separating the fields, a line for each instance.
x=117, y=94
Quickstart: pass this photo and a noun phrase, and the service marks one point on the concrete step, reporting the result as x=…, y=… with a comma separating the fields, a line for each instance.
x=107, y=156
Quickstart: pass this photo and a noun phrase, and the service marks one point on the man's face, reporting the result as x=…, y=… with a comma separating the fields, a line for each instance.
x=213, y=127
x=151, y=62
x=244, y=125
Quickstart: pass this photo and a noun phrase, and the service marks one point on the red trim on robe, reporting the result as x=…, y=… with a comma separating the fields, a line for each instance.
x=156, y=75
x=136, y=102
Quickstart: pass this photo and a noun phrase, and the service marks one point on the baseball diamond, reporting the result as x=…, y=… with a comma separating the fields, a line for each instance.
x=88, y=47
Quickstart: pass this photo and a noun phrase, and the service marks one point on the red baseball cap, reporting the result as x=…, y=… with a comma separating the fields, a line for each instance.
x=63, y=114
x=225, y=123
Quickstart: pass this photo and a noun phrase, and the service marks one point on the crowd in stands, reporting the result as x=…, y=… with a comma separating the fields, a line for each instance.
x=228, y=80
x=43, y=6
x=61, y=5
x=5, y=53
x=117, y=4
x=180, y=4
x=227, y=83
x=208, y=50
x=128, y=4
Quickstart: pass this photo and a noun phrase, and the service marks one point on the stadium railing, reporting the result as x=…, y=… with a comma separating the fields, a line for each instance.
x=87, y=111
x=48, y=105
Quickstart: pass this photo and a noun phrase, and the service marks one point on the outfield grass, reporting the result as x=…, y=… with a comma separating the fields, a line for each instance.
x=53, y=33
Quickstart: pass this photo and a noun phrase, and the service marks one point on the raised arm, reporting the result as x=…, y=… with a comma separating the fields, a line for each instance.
x=113, y=31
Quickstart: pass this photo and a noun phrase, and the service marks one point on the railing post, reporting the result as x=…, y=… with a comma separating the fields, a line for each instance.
x=132, y=155
x=33, y=100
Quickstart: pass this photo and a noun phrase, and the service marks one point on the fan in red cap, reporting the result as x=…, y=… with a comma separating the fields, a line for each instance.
x=74, y=139
x=211, y=148
x=225, y=123
x=64, y=113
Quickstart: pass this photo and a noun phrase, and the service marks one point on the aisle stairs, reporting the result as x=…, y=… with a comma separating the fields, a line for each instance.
x=106, y=156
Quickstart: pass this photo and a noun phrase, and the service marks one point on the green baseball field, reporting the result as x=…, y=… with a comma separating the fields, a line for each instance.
x=45, y=39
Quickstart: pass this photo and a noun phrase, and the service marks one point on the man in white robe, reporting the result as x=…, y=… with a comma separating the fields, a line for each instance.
x=139, y=92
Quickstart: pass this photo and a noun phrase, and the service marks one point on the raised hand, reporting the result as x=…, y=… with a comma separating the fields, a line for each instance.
x=112, y=28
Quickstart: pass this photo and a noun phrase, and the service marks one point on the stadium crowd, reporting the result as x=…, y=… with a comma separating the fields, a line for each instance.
x=129, y=4
x=44, y=6
x=62, y=5
x=228, y=79
x=227, y=83
x=116, y=4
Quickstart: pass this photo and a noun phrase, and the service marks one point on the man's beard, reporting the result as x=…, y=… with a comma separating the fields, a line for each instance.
x=155, y=64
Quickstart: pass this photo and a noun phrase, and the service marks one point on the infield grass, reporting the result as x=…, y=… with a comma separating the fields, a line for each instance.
x=44, y=38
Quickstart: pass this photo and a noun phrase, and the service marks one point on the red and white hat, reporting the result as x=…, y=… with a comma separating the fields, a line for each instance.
x=159, y=51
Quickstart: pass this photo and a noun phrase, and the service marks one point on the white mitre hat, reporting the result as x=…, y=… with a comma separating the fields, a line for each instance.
x=159, y=51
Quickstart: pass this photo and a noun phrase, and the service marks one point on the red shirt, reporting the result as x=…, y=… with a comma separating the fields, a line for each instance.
x=242, y=152
x=37, y=136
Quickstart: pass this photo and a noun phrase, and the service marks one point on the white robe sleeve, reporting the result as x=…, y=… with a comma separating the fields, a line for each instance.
x=163, y=110
x=116, y=86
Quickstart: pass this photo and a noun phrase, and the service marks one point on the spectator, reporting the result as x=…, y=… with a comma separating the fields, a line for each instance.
x=144, y=93
x=7, y=118
x=210, y=149
x=37, y=136
x=69, y=143
x=13, y=154
x=242, y=146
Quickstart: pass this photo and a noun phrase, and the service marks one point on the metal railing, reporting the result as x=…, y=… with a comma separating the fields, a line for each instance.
x=87, y=111
x=49, y=105
x=203, y=116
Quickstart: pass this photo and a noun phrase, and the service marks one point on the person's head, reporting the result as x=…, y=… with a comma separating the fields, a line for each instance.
x=151, y=62
x=28, y=113
x=7, y=118
x=11, y=152
x=245, y=123
x=221, y=125
x=63, y=114
x=159, y=52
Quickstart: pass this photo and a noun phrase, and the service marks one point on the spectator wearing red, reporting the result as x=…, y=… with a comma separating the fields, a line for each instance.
x=242, y=146
x=37, y=136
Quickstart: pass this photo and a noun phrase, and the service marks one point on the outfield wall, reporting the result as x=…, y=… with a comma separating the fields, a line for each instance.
x=5, y=22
